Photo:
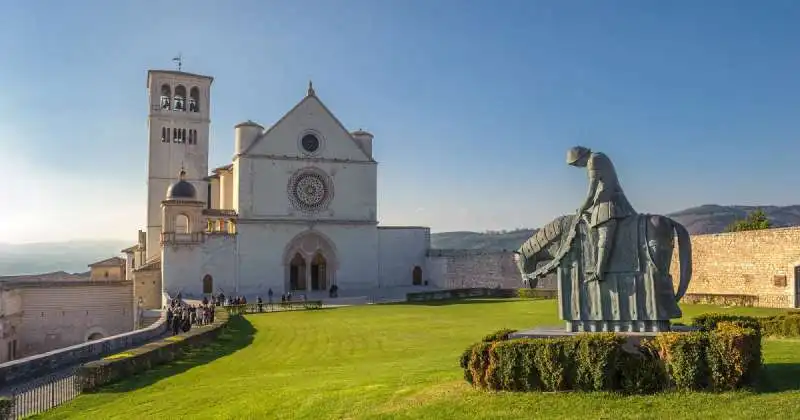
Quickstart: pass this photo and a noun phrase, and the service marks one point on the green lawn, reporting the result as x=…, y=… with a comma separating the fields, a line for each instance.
x=399, y=361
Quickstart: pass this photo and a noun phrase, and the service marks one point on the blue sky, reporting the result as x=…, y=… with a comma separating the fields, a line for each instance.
x=473, y=103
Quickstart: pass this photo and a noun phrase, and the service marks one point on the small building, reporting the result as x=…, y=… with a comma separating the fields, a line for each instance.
x=111, y=269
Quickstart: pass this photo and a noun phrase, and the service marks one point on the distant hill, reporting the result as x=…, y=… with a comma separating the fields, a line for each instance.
x=710, y=218
x=49, y=257
x=476, y=240
x=74, y=256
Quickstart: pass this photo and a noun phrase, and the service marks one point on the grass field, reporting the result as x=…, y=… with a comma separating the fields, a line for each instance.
x=399, y=361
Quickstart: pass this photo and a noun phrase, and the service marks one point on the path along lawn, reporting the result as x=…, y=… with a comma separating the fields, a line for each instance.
x=399, y=361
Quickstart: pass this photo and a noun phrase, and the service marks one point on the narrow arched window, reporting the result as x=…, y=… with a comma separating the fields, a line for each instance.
x=180, y=98
x=175, y=135
x=191, y=138
x=166, y=96
x=168, y=130
x=163, y=134
x=183, y=135
x=194, y=100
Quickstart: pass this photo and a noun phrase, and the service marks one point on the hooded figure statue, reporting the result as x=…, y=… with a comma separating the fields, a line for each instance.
x=604, y=205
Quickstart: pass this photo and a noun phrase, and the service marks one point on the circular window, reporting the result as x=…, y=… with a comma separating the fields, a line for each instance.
x=310, y=143
x=309, y=190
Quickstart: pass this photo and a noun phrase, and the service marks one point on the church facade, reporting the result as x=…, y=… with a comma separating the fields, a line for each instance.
x=294, y=211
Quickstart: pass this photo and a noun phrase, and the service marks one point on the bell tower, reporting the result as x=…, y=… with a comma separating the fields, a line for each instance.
x=179, y=105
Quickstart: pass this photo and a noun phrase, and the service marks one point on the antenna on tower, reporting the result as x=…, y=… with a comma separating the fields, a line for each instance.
x=179, y=59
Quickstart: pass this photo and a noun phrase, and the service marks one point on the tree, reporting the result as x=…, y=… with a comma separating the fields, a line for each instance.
x=756, y=220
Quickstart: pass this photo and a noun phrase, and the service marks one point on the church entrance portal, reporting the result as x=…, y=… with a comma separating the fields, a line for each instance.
x=310, y=261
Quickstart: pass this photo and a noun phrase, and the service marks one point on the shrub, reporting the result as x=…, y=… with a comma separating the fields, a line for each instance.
x=537, y=293
x=596, y=358
x=727, y=357
x=499, y=335
x=553, y=361
x=464, y=363
x=683, y=355
x=786, y=325
x=708, y=322
x=733, y=355
x=6, y=407
x=642, y=372
x=478, y=363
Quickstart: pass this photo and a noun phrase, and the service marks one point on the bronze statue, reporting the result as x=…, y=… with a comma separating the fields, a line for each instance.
x=604, y=204
x=634, y=255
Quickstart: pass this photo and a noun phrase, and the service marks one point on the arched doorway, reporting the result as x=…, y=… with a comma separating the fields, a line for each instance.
x=416, y=276
x=319, y=273
x=95, y=333
x=297, y=273
x=310, y=262
x=208, y=284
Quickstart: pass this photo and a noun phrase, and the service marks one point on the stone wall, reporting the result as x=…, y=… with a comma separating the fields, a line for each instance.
x=760, y=263
x=762, y=266
x=60, y=314
x=30, y=367
x=464, y=269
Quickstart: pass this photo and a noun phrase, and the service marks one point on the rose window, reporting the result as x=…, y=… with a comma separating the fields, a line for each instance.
x=309, y=191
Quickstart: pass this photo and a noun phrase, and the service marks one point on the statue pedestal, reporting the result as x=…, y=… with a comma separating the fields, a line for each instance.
x=633, y=338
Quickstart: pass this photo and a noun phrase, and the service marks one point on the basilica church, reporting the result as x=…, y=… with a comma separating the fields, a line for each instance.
x=295, y=209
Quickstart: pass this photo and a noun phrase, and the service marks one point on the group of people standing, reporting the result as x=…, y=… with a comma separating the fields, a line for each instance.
x=182, y=316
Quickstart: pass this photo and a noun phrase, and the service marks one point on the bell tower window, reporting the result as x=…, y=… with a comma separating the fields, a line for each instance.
x=179, y=135
x=180, y=98
x=194, y=100
x=166, y=95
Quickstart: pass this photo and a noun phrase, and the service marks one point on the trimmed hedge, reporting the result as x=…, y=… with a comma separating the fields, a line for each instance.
x=787, y=325
x=6, y=407
x=101, y=372
x=708, y=322
x=481, y=292
x=728, y=357
x=537, y=293
x=783, y=325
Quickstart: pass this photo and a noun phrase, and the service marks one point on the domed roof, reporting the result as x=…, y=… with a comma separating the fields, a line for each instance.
x=181, y=190
x=248, y=123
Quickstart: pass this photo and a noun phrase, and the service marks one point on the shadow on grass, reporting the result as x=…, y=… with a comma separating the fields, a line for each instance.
x=779, y=377
x=237, y=335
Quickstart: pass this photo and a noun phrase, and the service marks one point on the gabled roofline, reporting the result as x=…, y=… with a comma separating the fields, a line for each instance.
x=308, y=97
x=130, y=249
x=108, y=261
x=227, y=167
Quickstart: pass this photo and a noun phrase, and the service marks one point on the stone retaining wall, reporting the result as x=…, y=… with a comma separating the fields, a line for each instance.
x=97, y=373
x=41, y=364
x=463, y=269
x=759, y=268
x=758, y=263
